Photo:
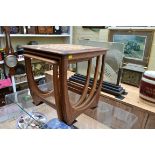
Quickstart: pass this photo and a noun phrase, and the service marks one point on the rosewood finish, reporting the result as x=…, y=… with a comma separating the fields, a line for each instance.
x=61, y=55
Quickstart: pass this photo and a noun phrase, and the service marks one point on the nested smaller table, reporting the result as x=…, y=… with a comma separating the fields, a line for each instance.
x=60, y=55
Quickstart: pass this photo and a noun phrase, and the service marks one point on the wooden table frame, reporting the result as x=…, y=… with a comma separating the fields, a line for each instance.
x=66, y=111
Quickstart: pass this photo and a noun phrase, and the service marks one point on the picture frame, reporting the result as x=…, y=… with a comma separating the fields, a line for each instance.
x=138, y=43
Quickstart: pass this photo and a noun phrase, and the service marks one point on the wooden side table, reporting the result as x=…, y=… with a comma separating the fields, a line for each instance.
x=60, y=55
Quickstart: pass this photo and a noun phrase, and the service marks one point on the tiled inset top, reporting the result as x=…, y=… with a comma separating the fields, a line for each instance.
x=63, y=49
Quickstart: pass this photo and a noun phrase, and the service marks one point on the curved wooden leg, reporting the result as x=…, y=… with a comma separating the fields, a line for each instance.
x=64, y=105
x=36, y=99
x=92, y=100
x=85, y=90
x=93, y=89
x=36, y=93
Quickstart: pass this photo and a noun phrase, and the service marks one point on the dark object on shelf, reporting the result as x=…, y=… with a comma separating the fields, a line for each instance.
x=132, y=74
x=20, y=69
x=45, y=29
x=32, y=43
x=41, y=29
x=1, y=30
x=4, y=71
x=16, y=29
x=19, y=50
x=1, y=54
x=2, y=76
x=49, y=29
x=2, y=95
x=31, y=29
x=106, y=87
x=57, y=30
x=65, y=29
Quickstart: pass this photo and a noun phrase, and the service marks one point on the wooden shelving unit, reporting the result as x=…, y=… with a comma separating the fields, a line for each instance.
x=24, y=38
x=36, y=78
x=37, y=35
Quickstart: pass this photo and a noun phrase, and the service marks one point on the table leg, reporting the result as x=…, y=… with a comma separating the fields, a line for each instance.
x=66, y=111
x=64, y=104
x=37, y=95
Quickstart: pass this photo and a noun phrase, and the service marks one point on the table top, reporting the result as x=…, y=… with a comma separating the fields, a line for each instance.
x=63, y=49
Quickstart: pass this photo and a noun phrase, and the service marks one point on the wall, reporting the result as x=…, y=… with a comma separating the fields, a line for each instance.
x=151, y=65
x=92, y=34
x=102, y=35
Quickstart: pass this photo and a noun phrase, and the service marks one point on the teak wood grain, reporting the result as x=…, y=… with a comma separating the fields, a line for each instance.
x=60, y=55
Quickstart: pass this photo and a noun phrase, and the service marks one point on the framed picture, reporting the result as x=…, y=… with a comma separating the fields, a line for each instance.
x=138, y=43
